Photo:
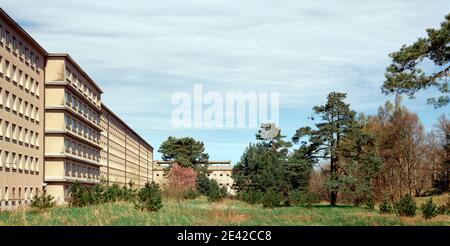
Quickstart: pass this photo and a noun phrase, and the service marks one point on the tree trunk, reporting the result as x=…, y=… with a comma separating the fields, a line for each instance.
x=333, y=198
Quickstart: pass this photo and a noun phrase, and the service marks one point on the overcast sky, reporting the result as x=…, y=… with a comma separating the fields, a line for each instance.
x=141, y=52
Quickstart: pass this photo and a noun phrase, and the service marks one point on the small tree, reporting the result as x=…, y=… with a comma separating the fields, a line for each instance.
x=202, y=183
x=42, y=201
x=149, y=198
x=214, y=193
x=271, y=199
x=179, y=180
x=429, y=209
x=406, y=206
x=370, y=205
x=385, y=206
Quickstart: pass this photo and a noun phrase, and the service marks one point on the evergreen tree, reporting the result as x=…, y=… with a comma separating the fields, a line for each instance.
x=186, y=151
x=404, y=75
x=325, y=141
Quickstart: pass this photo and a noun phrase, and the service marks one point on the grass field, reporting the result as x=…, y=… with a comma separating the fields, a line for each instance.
x=200, y=212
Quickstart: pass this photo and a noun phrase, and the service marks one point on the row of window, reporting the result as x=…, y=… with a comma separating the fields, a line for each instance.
x=81, y=129
x=81, y=87
x=18, y=193
x=18, y=134
x=81, y=107
x=18, y=77
x=15, y=46
x=18, y=105
x=9, y=159
x=215, y=174
x=81, y=171
x=81, y=150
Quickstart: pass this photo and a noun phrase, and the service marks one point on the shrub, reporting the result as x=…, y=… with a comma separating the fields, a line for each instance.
x=214, y=193
x=442, y=209
x=303, y=198
x=80, y=195
x=113, y=193
x=42, y=201
x=149, y=198
x=251, y=196
x=429, y=209
x=386, y=207
x=191, y=194
x=202, y=183
x=271, y=199
x=370, y=205
x=406, y=206
x=224, y=192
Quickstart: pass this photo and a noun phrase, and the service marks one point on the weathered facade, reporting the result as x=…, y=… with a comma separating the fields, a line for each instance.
x=125, y=156
x=54, y=129
x=21, y=114
x=72, y=127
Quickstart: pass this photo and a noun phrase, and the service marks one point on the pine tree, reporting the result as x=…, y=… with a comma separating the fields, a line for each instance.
x=186, y=151
x=404, y=75
x=325, y=141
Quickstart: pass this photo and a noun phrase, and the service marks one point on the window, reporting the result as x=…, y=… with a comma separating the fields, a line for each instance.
x=2, y=35
x=6, y=69
x=14, y=45
x=7, y=40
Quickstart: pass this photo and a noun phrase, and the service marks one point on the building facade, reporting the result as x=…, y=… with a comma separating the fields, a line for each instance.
x=125, y=156
x=72, y=127
x=217, y=170
x=21, y=114
x=54, y=130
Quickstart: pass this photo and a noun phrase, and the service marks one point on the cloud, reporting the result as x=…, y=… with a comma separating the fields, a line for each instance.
x=141, y=52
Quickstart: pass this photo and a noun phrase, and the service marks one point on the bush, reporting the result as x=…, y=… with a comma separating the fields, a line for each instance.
x=406, y=206
x=42, y=201
x=224, y=192
x=303, y=198
x=251, y=196
x=80, y=196
x=429, y=209
x=271, y=199
x=442, y=209
x=214, y=193
x=191, y=194
x=149, y=198
x=202, y=183
x=370, y=205
x=386, y=207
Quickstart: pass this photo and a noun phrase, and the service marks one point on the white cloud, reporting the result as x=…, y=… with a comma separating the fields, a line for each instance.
x=140, y=52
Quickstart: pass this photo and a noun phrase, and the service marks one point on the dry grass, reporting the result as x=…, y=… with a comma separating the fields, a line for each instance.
x=201, y=212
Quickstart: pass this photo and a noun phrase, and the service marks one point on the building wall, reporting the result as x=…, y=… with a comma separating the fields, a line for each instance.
x=125, y=156
x=51, y=126
x=21, y=115
x=218, y=170
x=72, y=128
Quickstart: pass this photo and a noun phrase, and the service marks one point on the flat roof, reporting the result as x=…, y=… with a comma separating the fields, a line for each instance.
x=125, y=124
x=20, y=30
x=69, y=58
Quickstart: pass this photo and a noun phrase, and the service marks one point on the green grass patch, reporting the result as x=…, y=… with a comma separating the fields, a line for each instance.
x=201, y=212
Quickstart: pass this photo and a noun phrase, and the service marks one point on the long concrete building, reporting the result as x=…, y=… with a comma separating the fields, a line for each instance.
x=125, y=156
x=54, y=128
x=22, y=62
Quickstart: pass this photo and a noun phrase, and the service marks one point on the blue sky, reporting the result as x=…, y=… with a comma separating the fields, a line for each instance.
x=141, y=52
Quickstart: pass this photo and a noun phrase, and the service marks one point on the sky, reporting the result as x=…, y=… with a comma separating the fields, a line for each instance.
x=142, y=52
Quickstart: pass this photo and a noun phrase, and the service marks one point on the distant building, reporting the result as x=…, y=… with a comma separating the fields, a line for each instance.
x=219, y=171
